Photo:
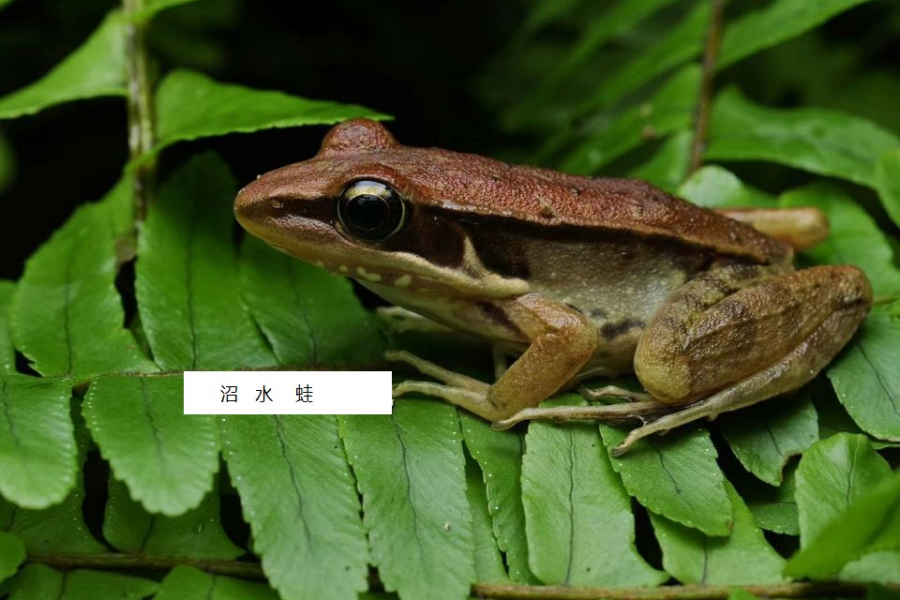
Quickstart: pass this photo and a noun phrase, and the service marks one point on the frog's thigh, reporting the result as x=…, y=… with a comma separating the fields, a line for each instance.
x=696, y=344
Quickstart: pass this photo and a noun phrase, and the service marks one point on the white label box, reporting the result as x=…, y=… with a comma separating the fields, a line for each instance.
x=287, y=393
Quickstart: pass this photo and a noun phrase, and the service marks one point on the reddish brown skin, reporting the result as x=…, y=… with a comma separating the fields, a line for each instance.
x=364, y=149
x=712, y=332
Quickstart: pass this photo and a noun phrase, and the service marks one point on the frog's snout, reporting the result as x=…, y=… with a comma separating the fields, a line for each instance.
x=252, y=203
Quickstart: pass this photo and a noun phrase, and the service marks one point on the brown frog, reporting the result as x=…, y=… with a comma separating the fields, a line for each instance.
x=576, y=277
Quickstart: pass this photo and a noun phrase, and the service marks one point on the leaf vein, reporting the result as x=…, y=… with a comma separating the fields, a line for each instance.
x=409, y=497
x=292, y=469
x=298, y=300
x=881, y=382
x=665, y=467
x=189, y=282
x=4, y=396
x=145, y=399
x=67, y=328
x=571, y=510
x=705, y=572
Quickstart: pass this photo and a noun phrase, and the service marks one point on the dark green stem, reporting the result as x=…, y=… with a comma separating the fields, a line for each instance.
x=880, y=300
x=670, y=592
x=145, y=563
x=704, y=101
x=141, y=124
x=141, y=563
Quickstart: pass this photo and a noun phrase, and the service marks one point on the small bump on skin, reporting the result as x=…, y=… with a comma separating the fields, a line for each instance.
x=320, y=264
x=403, y=281
x=373, y=277
x=343, y=268
x=546, y=209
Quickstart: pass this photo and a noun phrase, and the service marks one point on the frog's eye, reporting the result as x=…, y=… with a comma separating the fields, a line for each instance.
x=371, y=211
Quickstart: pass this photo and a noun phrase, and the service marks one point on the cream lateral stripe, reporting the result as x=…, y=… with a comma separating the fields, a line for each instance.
x=472, y=278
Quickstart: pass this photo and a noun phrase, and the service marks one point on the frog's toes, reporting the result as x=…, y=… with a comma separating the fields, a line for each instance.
x=613, y=391
x=445, y=376
x=454, y=395
x=526, y=414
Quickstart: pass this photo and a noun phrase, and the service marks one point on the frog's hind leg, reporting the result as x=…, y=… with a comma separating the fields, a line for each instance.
x=739, y=335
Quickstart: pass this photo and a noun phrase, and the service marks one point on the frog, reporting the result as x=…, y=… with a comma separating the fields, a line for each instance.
x=573, y=277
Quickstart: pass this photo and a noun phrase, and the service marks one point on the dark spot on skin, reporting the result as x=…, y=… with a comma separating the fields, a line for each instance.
x=598, y=313
x=498, y=316
x=428, y=234
x=321, y=209
x=611, y=331
x=499, y=253
x=744, y=272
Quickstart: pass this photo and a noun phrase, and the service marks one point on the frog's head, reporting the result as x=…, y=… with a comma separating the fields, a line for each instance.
x=370, y=208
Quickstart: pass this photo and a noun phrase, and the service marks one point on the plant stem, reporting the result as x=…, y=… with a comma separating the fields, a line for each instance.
x=145, y=563
x=141, y=124
x=673, y=592
x=704, y=101
x=253, y=571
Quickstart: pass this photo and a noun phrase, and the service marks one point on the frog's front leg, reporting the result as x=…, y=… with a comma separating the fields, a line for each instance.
x=561, y=340
x=741, y=334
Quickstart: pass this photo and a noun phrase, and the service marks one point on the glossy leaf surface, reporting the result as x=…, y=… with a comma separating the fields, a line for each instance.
x=819, y=141
x=577, y=514
x=675, y=476
x=67, y=316
x=38, y=582
x=871, y=523
x=309, y=316
x=96, y=68
x=198, y=533
x=187, y=279
x=37, y=443
x=668, y=111
x=867, y=380
x=743, y=557
x=297, y=494
x=403, y=462
x=765, y=437
x=188, y=583
x=499, y=454
x=167, y=458
x=192, y=106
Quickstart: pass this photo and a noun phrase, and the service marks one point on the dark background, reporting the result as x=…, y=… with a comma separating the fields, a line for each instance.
x=430, y=64
x=409, y=59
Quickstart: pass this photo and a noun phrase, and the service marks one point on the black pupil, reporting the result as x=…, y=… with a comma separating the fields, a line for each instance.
x=371, y=211
x=368, y=212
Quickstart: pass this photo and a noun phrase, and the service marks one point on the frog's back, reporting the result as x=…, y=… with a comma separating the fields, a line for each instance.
x=550, y=198
x=484, y=186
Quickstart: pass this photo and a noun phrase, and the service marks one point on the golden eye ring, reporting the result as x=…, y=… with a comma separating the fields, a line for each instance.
x=371, y=211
